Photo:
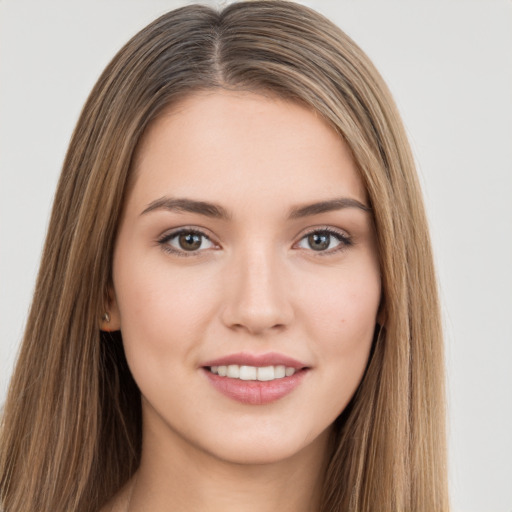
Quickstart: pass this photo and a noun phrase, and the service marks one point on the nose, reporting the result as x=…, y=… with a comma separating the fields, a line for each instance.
x=258, y=299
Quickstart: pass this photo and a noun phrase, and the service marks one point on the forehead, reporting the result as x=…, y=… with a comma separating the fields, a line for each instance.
x=241, y=146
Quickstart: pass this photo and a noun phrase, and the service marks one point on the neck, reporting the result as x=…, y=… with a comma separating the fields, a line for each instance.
x=174, y=477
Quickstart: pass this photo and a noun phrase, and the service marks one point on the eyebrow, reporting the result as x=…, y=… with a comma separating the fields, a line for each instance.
x=188, y=205
x=218, y=212
x=327, y=206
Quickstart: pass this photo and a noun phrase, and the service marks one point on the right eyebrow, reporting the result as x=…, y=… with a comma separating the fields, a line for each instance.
x=187, y=205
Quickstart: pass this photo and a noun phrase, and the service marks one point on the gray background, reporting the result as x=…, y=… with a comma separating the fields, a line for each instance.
x=449, y=65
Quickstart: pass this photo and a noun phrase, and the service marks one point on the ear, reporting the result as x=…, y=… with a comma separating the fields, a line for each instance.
x=111, y=319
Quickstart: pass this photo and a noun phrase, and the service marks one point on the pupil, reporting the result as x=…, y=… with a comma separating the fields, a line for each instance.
x=190, y=241
x=318, y=242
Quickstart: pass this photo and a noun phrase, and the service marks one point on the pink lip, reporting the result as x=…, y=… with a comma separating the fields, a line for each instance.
x=268, y=359
x=255, y=392
x=251, y=391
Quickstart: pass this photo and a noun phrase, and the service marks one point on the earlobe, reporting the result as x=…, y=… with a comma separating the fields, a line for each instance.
x=110, y=320
x=109, y=323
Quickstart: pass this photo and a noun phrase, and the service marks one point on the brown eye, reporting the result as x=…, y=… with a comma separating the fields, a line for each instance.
x=325, y=240
x=190, y=241
x=319, y=241
x=186, y=241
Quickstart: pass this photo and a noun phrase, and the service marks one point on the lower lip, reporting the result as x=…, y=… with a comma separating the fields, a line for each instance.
x=255, y=392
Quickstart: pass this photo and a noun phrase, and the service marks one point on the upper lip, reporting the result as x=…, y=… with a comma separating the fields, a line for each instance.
x=259, y=360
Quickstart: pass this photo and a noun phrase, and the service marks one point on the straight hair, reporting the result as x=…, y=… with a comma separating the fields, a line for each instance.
x=71, y=427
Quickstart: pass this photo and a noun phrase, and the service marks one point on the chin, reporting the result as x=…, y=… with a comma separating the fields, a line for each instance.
x=256, y=448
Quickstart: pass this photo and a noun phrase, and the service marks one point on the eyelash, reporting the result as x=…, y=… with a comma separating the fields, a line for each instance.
x=345, y=241
x=165, y=239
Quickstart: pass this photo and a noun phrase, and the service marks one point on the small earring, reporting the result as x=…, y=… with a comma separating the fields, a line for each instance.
x=106, y=317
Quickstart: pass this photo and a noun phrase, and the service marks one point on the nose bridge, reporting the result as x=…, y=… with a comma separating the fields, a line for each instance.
x=258, y=299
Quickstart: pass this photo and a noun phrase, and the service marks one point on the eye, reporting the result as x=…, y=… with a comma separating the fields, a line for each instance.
x=185, y=241
x=324, y=240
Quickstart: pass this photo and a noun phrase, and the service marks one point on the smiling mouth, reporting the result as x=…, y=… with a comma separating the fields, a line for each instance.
x=254, y=373
x=255, y=379
x=255, y=385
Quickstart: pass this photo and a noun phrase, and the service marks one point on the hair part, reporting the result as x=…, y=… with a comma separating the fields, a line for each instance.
x=71, y=429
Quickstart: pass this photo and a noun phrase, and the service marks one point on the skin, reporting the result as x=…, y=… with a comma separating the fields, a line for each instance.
x=255, y=285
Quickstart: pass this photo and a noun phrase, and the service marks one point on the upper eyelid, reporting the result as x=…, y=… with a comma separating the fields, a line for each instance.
x=206, y=232
x=330, y=229
x=171, y=233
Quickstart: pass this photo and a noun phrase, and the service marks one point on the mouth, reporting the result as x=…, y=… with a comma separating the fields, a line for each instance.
x=253, y=379
x=257, y=373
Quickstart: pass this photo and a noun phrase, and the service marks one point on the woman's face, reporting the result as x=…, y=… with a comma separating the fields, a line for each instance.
x=245, y=248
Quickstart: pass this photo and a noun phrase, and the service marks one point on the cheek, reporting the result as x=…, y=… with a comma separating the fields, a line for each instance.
x=163, y=311
x=341, y=324
x=345, y=311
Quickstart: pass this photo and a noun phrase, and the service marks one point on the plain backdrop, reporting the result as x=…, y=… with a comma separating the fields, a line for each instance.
x=449, y=66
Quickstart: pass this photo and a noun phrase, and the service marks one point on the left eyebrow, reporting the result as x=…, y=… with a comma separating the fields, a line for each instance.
x=327, y=206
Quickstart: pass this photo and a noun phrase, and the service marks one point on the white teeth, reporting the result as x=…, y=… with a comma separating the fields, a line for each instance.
x=266, y=373
x=261, y=373
x=248, y=373
x=233, y=371
x=279, y=371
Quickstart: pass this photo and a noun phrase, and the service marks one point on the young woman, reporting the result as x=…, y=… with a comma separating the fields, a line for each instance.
x=236, y=306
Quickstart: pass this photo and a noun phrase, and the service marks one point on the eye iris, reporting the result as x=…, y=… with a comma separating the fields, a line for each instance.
x=319, y=241
x=190, y=241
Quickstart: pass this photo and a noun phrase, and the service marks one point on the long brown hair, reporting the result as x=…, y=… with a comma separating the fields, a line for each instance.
x=71, y=427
